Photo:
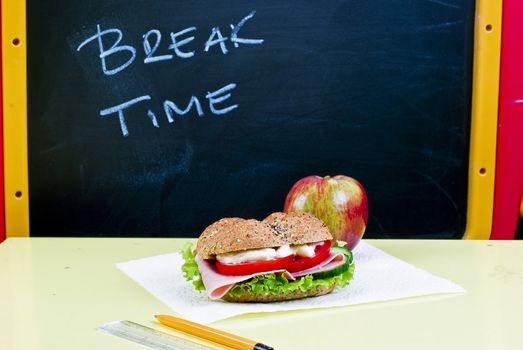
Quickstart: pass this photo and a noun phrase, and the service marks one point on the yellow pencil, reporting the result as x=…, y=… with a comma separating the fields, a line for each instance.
x=212, y=334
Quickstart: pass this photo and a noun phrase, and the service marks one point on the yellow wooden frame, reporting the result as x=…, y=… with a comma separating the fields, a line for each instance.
x=487, y=48
x=484, y=123
x=15, y=118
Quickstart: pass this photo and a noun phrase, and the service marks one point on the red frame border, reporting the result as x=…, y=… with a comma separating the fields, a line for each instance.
x=509, y=166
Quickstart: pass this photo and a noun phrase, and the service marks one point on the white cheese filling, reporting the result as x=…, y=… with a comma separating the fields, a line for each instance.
x=304, y=250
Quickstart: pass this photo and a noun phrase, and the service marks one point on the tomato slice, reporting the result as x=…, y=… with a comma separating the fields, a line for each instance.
x=291, y=263
x=300, y=263
x=248, y=268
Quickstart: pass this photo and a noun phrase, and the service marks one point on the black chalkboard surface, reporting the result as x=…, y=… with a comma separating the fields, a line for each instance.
x=155, y=118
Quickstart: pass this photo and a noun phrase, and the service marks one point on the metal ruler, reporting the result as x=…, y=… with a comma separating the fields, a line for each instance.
x=148, y=336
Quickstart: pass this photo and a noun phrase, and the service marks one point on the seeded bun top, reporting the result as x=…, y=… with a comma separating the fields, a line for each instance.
x=235, y=234
x=299, y=227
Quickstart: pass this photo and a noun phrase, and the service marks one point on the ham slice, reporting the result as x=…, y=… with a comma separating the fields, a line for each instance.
x=217, y=285
x=334, y=260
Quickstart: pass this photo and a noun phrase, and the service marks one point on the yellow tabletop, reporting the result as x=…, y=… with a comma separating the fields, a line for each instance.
x=54, y=292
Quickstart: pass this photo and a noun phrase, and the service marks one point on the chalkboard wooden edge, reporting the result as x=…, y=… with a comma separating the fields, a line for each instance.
x=15, y=118
x=484, y=118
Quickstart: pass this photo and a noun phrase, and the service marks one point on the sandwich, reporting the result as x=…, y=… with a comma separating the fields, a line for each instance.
x=284, y=257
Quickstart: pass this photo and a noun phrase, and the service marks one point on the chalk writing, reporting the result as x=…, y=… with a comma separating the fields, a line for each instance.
x=129, y=53
x=172, y=110
x=235, y=29
x=149, y=51
x=116, y=57
x=218, y=40
x=215, y=98
x=112, y=50
x=177, y=44
x=120, y=108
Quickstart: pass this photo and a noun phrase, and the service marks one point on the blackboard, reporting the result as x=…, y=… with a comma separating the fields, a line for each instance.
x=224, y=105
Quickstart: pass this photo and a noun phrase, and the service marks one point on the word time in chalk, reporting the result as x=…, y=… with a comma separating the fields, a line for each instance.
x=115, y=56
x=170, y=108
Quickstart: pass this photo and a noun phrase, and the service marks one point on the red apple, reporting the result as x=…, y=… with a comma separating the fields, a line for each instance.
x=339, y=201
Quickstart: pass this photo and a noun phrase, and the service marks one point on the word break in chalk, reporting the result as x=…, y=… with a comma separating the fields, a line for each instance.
x=115, y=57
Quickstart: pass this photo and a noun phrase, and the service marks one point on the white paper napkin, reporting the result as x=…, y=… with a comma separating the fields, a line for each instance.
x=378, y=277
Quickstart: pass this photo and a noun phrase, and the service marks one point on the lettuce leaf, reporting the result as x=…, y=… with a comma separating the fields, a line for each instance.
x=277, y=284
x=190, y=268
x=263, y=284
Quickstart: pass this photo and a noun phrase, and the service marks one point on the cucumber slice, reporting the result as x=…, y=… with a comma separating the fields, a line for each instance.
x=338, y=270
x=342, y=250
